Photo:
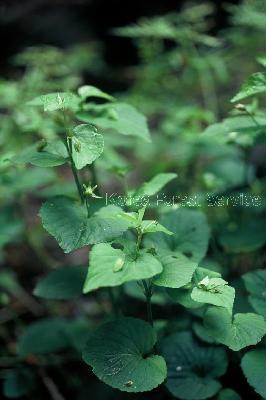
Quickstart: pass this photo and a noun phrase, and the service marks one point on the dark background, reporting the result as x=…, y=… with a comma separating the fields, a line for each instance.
x=66, y=22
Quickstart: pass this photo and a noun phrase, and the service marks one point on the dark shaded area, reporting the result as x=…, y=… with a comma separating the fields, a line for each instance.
x=63, y=23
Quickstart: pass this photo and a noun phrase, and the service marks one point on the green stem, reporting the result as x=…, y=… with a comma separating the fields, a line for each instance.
x=68, y=144
x=148, y=294
x=139, y=238
x=74, y=171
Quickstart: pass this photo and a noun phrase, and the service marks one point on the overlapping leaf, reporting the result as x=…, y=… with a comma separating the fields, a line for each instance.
x=255, y=283
x=113, y=267
x=121, y=355
x=253, y=365
x=191, y=234
x=193, y=369
x=64, y=283
x=237, y=333
x=67, y=221
x=177, y=270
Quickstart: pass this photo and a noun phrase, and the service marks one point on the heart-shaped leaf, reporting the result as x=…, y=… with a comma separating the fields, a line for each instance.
x=113, y=267
x=121, y=355
x=87, y=145
x=191, y=234
x=244, y=330
x=177, y=270
x=64, y=283
x=253, y=365
x=214, y=291
x=255, y=283
x=67, y=221
x=192, y=368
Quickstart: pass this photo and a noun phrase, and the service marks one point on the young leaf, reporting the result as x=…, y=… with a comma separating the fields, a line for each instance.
x=255, y=283
x=87, y=91
x=214, y=291
x=153, y=186
x=193, y=369
x=244, y=330
x=121, y=355
x=127, y=121
x=255, y=84
x=191, y=234
x=113, y=267
x=44, y=336
x=87, y=145
x=64, y=283
x=56, y=101
x=177, y=270
x=183, y=294
x=253, y=365
x=67, y=221
x=153, y=226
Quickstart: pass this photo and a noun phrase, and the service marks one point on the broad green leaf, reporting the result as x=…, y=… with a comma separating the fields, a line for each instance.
x=177, y=271
x=87, y=91
x=113, y=267
x=228, y=394
x=44, y=336
x=237, y=238
x=255, y=283
x=44, y=159
x=191, y=234
x=237, y=333
x=56, y=101
x=193, y=368
x=64, y=283
x=214, y=291
x=183, y=294
x=87, y=145
x=67, y=221
x=121, y=355
x=255, y=84
x=253, y=365
x=43, y=155
x=202, y=334
x=40, y=158
x=238, y=129
x=18, y=382
x=125, y=120
x=153, y=186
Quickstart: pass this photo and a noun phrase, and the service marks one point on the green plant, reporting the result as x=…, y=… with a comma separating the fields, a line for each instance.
x=129, y=247
x=158, y=281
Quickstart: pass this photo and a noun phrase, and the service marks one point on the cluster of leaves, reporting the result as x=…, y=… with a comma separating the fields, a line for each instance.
x=192, y=260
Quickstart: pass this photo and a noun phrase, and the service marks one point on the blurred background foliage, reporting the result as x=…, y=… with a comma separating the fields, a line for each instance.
x=179, y=63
